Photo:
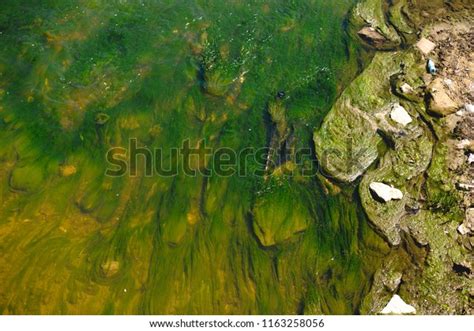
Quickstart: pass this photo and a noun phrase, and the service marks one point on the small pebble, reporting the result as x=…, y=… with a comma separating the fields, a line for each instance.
x=469, y=108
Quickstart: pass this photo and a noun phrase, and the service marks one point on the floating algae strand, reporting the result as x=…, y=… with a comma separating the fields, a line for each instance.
x=80, y=77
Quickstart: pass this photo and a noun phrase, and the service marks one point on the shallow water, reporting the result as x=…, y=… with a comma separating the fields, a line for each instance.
x=80, y=77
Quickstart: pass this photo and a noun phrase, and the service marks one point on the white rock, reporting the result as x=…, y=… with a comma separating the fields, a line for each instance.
x=463, y=230
x=400, y=115
x=471, y=158
x=425, y=46
x=406, y=89
x=465, y=186
x=385, y=192
x=396, y=306
x=463, y=144
x=469, y=108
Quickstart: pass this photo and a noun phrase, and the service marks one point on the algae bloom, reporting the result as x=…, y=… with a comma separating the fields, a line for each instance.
x=78, y=78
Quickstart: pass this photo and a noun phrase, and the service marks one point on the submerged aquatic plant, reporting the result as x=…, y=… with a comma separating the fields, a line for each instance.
x=78, y=78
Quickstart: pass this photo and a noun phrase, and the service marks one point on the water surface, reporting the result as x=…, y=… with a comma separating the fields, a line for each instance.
x=80, y=77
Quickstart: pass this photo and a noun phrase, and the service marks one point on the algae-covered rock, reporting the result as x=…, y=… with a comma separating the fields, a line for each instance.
x=440, y=188
x=429, y=286
x=67, y=170
x=371, y=13
x=278, y=217
x=410, y=158
x=27, y=178
x=365, y=110
x=110, y=268
x=397, y=168
x=399, y=19
x=347, y=142
x=386, y=282
x=372, y=36
x=385, y=216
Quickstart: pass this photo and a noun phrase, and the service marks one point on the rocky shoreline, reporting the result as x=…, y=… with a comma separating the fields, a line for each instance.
x=405, y=125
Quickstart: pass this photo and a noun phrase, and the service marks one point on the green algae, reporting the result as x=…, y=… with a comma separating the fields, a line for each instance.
x=440, y=188
x=81, y=77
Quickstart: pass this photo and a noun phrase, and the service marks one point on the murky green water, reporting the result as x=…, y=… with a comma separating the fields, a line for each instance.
x=80, y=77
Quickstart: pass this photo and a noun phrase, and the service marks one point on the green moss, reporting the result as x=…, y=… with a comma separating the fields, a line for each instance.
x=437, y=230
x=398, y=18
x=385, y=216
x=400, y=168
x=440, y=188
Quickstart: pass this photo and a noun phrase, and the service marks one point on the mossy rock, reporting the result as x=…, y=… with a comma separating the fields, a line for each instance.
x=278, y=216
x=429, y=286
x=440, y=188
x=101, y=118
x=385, y=282
x=397, y=15
x=413, y=157
x=385, y=216
x=346, y=145
x=347, y=142
x=398, y=167
x=372, y=13
x=91, y=200
x=28, y=178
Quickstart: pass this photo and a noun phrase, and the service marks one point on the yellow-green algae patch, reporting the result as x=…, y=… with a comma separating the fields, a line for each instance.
x=80, y=77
